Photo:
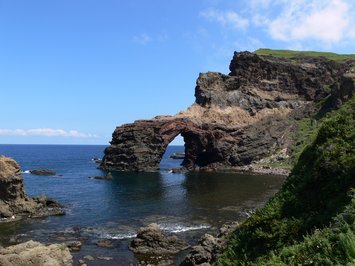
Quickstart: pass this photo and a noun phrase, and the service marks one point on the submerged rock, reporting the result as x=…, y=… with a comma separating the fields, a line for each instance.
x=14, y=203
x=97, y=160
x=34, y=254
x=151, y=241
x=73, y=245
x=43, y=172
x=104, y=243
x=106, y=177
x=177, y=155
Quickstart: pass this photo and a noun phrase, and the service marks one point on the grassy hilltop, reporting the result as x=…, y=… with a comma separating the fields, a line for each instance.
x=291, y=54
x=311, y=220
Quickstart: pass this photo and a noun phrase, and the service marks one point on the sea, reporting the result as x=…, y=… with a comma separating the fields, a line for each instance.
x=185, y=204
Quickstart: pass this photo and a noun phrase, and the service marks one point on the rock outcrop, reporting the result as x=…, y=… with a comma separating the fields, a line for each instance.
x=210, y=248
x=236, y=119
x=151, y=241
x=34, y=254
x=14, y=203
x=43, y=172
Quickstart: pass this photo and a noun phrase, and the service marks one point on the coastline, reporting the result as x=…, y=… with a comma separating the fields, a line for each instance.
x=253, y=169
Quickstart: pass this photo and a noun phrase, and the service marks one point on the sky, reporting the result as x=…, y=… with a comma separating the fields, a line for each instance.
x=73, y=70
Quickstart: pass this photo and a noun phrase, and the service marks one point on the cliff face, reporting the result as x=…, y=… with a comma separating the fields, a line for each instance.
x=237, y=118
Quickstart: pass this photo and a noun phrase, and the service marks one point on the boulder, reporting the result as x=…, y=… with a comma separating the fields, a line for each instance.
x=151, y=241
x=34, y=254
x=73, y=245
x=209, y=248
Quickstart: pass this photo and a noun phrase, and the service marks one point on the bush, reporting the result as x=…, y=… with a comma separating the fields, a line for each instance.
x=311, y=220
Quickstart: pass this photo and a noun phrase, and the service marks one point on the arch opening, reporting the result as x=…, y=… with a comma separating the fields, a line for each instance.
x=174, y=154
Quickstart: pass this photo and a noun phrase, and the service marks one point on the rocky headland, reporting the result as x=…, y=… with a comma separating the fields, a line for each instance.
x=245, y=118
x=14, y=203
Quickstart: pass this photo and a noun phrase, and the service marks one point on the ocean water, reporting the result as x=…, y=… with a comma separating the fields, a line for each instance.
x=187, y=204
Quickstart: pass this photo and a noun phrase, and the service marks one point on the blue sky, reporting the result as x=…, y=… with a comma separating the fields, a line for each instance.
x=73, y=70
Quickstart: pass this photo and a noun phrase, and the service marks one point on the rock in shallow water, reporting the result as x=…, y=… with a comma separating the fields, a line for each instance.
x=104, y=243
x=43, y=172
x=209, y=247
x=151, y=241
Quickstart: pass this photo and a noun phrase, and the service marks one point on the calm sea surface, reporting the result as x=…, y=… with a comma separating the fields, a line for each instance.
x=186, y=204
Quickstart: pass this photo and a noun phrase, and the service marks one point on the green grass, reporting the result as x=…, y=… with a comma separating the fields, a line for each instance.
x=305, y=135
x=311, y=221
x=291, y=54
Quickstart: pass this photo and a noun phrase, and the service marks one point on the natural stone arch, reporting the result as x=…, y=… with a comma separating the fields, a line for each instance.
x=236, y=119
x=141, y=145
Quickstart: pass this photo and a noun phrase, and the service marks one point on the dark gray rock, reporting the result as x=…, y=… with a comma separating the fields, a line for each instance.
x=43, y=172
x=151, y=241
x=209, y=247
x=73, y=245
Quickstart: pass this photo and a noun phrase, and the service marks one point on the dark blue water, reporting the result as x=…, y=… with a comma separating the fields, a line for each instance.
x=186, y=204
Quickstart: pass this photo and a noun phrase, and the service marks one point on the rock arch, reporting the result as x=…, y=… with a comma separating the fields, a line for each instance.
x=236, y=119
x=141, y=145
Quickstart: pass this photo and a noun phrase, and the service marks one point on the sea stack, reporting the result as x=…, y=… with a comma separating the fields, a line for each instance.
x=14, y=203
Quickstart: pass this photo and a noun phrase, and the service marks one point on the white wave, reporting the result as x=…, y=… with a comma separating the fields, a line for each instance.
x=119, y=236
x=26, y=172
x=109, y=233
x=178, y=228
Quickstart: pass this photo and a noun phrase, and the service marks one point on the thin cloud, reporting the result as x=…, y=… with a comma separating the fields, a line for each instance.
x=142, y=39
x=225, y=18
x=45, y=132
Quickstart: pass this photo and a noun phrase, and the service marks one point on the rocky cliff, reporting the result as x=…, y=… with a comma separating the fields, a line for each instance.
x=238, y=118
x=14, y=203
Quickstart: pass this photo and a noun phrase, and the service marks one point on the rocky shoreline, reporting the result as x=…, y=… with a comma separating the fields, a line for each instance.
x=16, y=205
x=253, y=169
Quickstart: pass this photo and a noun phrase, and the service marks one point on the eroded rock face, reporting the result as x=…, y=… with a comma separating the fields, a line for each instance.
x=141, y=145
x=236, y=119
x=14, y=202
x=33, y=253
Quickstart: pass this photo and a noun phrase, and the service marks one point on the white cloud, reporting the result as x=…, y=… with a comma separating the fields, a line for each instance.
x=312, y=24
x=327, y=21
x=45, y=132
x=142, y=39
x=225, y=18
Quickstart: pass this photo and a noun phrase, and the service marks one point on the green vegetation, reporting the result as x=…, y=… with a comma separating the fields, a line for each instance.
x=306, y=133
x=292, y=54
x=311, y=221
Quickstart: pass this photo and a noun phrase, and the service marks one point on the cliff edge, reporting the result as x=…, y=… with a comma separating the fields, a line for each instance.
x=237, y=119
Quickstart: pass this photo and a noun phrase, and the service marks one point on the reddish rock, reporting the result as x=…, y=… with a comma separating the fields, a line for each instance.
x=237, y=118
